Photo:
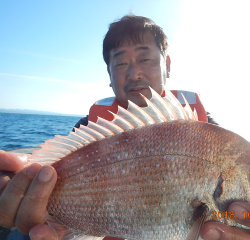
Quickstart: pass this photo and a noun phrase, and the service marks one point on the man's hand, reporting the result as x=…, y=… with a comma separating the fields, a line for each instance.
x=23, y=199
x=215, y=230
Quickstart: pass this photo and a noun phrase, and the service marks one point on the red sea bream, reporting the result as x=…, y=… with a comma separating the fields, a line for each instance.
x=151, y=173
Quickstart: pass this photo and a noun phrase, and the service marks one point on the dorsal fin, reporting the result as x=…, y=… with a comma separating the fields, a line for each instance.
x=195, y=115
x=188, y=109
x=93, y=133
x=153, y=111
x=109, y=125
x=175, y=105
x=140, y=113
x=163, y=106
x=158, y=110
x=134, y=120
x=80, y=132
x=104, y=131
x=121, y=122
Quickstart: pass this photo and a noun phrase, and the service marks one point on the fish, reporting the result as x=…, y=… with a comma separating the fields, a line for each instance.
x=151, y=173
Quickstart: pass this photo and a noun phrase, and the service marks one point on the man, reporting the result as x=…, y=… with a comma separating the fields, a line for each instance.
x=134, y=50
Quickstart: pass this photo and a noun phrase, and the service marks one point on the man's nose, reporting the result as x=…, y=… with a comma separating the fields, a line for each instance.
x=134, y=72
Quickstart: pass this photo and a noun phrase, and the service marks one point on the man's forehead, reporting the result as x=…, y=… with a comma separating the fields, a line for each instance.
x=144, y=43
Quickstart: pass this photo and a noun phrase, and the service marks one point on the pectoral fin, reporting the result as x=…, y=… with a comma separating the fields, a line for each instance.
x=194, y=232
x=65, y=233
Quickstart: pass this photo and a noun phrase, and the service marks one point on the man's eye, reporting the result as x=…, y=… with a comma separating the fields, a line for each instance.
x=145, y=60
x=120, y=64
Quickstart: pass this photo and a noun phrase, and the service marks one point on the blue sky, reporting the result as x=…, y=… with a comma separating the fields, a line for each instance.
x=51, y=53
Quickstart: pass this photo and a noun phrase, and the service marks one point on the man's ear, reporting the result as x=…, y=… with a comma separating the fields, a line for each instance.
x=108, y=71
x=109, y=76
x=168, y=63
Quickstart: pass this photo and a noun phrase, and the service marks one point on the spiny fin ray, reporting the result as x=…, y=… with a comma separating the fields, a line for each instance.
x=104, y=131
x=95, y=134
x=121, y=122
x=195, y=115
x=78, y=138
x=109, y=125
x=140, y=113
x=61, y=144
x=175, y=105
x=42, y=153
x=188, y=109
x=135, y=121
x=153, y=111
x=68, y=141
x=51, y=148
x=84, y=134
x=162, y=106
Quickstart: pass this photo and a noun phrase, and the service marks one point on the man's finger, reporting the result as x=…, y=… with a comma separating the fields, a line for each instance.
x=41, y=232
x=12, y=161
x=4, y=180
x=219, y=231
x=33, y=207
x=54, y=230
x=241, y=210
x=13, y=194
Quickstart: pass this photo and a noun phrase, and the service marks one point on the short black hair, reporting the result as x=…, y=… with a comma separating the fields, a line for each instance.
x=131, y=27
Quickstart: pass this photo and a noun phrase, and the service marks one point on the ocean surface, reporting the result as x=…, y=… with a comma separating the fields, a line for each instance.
x=30, y=130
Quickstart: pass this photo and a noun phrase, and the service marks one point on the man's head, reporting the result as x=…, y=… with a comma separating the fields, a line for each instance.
x=134, y=50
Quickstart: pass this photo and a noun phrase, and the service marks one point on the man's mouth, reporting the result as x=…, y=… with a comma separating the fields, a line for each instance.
x=136, y=89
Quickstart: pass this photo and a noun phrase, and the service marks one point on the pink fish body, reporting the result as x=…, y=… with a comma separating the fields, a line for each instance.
x=149, y=182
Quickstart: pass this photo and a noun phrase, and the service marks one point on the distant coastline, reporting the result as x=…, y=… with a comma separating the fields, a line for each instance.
x=26, y=111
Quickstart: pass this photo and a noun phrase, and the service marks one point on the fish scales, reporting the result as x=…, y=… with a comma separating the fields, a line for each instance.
x=139, y=184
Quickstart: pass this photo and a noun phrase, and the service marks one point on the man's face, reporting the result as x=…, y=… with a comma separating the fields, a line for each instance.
x=133, y=68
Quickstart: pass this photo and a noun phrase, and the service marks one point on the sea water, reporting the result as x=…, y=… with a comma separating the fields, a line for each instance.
x=30, y=130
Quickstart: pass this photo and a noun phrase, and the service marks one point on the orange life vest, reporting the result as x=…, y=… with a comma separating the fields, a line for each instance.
x=101, y=107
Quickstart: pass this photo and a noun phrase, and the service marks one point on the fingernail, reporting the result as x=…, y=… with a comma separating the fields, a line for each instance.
x=32, y=170
x=45, y=174
x=211, y=234
x=240, y=212
x=4, y=181
x=2, y=153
